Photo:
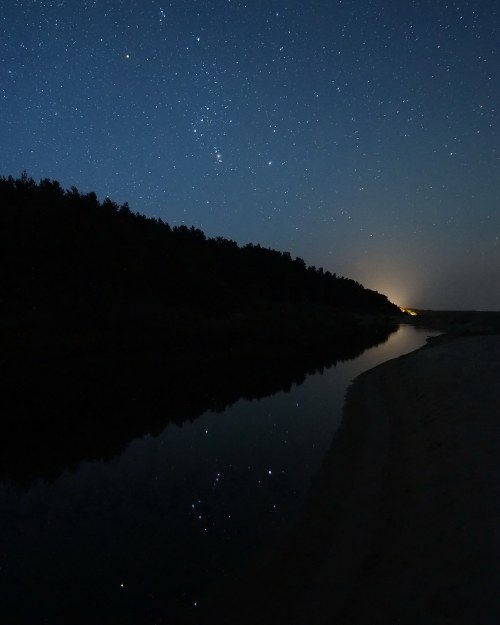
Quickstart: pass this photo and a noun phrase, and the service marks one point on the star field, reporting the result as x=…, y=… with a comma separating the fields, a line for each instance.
x=362, y=136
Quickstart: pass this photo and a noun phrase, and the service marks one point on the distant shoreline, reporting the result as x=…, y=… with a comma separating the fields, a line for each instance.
x=458, y=321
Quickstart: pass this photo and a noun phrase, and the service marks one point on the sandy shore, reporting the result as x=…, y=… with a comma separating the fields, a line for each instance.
x=402, y=524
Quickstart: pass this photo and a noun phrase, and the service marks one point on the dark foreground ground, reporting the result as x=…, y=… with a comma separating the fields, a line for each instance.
x=402, y=522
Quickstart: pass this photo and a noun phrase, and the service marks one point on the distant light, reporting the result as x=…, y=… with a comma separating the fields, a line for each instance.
x=409, y=311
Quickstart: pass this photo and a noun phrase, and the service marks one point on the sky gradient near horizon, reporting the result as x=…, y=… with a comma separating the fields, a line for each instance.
x=362, y=136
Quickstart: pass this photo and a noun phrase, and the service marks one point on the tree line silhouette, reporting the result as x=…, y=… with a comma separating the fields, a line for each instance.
x=67, y=250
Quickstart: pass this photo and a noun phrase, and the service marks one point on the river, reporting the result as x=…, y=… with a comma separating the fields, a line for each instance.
x=141, y=538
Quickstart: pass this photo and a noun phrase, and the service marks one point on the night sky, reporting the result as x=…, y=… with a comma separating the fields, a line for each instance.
x=362, y=136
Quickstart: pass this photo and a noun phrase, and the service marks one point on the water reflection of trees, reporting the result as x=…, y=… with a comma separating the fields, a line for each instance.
x=59, y=410
x=113, y=325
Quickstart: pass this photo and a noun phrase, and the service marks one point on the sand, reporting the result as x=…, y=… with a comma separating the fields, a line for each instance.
x=402, y=524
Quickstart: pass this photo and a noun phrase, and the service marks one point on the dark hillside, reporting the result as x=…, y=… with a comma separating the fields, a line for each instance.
x=67, y=253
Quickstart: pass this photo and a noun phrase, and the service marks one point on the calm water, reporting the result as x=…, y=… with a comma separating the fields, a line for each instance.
x=141, y=538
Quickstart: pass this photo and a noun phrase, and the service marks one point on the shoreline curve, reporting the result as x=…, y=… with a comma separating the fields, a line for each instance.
x=402, y=522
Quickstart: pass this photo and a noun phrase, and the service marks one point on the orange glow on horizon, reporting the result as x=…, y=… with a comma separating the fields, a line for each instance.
x=409, y=311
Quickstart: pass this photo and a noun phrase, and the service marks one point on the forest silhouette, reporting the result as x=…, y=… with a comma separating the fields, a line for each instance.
x=67, y=251
x=113, y=324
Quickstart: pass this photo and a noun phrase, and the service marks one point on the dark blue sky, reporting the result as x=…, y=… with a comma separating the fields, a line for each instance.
x=361, y=135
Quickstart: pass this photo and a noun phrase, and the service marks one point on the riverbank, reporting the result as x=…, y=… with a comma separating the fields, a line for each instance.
x=401, y=524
